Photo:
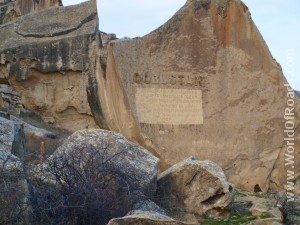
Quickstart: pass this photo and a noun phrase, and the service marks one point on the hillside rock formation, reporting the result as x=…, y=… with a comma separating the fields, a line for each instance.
x=203, y=84
x=46, y=58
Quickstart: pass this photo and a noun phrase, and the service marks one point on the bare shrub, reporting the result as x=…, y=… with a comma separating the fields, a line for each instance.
x=287, y=208
x=84, y=186
x=14, y=205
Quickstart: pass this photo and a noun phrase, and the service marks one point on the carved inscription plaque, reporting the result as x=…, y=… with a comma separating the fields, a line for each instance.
x=169, y=106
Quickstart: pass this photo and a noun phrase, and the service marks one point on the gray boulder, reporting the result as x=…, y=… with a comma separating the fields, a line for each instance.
x=144, y=217
x=12, y=137
x=7, y=134
x=148, y=205
x=110, y=153
x=197, y=187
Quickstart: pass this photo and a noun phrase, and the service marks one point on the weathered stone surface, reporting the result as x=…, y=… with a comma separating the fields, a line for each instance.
x=106, y=38
x=19, y=137
x=266, y=222
x=9, y=161
x=7, y=135
x=12, y=137
x=10, y=10
x=111, y=149
x=258, y=209
x=47, y=57
x=148, y=205
x=198, y=187
x=274, y=213
x=58, y=21
x=10, y=100
x=203, y=84
x=144, y=217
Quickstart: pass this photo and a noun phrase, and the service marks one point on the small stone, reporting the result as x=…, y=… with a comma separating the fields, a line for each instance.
x=258, y=209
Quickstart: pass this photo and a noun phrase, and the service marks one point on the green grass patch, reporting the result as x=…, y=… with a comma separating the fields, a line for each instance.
x=264, y=216
x=240, y=194
x=232, y=220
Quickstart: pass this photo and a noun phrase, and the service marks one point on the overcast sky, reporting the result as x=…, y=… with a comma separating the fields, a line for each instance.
x=277, y=20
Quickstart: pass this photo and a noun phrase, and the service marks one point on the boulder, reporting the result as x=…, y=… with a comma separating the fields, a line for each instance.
x=108, y=153
x=258, y=209
x=148, y=205
x=196, y=187
x=271, y=221
x=274, y=213
x=144, y=217
x=12, y=138
x=46, y=58
x=7, y=135
x=202, y=84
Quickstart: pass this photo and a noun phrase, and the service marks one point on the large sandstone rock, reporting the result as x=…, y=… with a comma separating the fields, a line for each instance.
x=203, y=84
x=110, y=153
x=46, y=57
x=143, y=218
x=197, y=187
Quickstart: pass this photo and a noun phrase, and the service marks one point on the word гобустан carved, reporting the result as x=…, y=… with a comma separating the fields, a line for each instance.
x=182, y=80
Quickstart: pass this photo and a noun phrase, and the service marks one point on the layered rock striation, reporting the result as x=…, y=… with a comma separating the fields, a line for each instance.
x=47, y=57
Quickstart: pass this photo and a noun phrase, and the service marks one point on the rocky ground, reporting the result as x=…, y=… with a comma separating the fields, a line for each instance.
x=255, y=208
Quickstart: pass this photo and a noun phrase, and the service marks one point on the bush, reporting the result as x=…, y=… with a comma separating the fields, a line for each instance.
x=288, y=209
x=81, y=188
x=14, y=205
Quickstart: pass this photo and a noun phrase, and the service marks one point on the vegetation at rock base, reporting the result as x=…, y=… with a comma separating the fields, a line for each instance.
x=233, y=220
x=68, y=191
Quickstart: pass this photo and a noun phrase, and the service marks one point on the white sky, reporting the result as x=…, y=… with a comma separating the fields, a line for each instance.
x=277, y=20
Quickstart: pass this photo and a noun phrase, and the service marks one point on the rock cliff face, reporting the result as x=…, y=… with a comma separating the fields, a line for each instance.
x=203, y=84
x=10, y=10
x=47, y=56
